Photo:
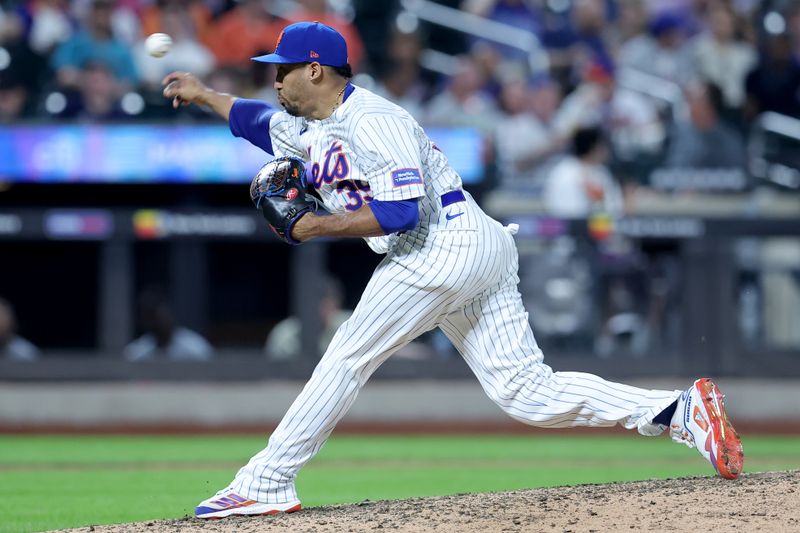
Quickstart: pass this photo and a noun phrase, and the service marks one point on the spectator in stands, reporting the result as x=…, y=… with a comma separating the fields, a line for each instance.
x=400, y=81
x=462, y=103
x=590, y=22
x=692, y=8
x=317, y=10
x=197, y=11
x=580, y=184
x=582, y=40
x=631, y=20
x=126, y=23
x=259, y=83
x=9, y=25
x=163, y=339
x=774, y=85
x=661, y=52
x=524, y=138
x=95, y=43
x=401, y=85
x=705, y=141
x=719, y=57
x=12, y=346
x=97, y=99
x=14, y=95
x=23, y=69
x=187, y=52
x=493, y=68
x=793, y=27
x=521, y=14
x=284, y=340
x=41, y=24
x=631, y=120
x=229, y=80
x=242, y=32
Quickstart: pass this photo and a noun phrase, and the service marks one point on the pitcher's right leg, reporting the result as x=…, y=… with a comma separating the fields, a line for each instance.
x=403, y=299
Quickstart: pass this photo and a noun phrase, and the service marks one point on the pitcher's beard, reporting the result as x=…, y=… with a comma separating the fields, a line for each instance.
x=291, y=109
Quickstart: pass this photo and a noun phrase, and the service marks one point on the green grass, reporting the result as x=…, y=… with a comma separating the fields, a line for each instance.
x=49, y=482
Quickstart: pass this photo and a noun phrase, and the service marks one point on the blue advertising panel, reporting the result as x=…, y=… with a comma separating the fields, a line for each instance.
x=164, y=154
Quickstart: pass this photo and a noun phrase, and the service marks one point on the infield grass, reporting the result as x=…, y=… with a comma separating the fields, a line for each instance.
x=51, y=482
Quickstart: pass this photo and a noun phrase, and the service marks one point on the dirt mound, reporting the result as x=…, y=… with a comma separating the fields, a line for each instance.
x=766, y=502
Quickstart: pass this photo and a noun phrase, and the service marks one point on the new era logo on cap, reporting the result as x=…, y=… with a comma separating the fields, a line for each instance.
x=303, y=42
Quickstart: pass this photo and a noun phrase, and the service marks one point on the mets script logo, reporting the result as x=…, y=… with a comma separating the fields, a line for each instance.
x=333, y=168
x=336, y=168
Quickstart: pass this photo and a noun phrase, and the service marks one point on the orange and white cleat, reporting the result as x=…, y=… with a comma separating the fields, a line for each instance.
x=228, y=503
x=700, y=421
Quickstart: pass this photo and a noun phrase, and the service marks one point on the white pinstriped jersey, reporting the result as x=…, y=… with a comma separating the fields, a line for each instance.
x=457, y=270
x=369, y=148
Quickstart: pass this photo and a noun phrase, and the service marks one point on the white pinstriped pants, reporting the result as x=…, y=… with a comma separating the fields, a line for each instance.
x=464, y=280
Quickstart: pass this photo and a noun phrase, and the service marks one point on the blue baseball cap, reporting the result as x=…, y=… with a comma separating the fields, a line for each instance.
x=666, y=22
x=306, y=42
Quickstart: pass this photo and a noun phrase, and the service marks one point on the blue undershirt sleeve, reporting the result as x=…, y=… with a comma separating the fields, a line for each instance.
x=396, y=215
x=250, y=119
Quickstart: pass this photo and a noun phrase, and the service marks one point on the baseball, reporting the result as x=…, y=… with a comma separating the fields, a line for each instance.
x=158, y=44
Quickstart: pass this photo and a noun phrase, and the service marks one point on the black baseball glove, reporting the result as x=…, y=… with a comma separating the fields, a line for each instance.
x=279, y=191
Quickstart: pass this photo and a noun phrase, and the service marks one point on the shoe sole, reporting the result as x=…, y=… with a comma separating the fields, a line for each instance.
x=240, y=511
x=730, y=456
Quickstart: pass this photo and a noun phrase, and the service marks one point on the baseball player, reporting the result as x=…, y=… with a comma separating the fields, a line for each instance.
x=447, y=264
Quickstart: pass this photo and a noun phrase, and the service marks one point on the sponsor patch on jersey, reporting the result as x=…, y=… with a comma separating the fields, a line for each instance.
x=406, y=176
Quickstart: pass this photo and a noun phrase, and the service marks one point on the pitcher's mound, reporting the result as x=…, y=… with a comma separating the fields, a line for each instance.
x=766, y=502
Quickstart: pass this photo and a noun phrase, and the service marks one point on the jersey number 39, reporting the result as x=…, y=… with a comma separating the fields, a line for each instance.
x=357, y=193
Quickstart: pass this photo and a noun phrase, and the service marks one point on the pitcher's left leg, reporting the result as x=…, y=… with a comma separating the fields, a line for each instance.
x=700, y=421
x=494, y=337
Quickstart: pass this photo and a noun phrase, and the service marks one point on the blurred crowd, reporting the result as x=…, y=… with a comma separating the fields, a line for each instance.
x=579, y=113
x=85, y=59
x=667, y=82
